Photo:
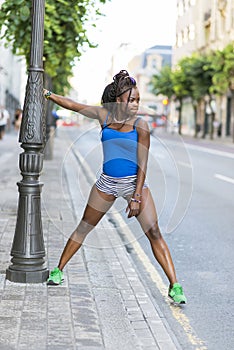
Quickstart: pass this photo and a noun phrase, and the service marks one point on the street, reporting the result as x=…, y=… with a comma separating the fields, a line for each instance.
x=193, y=188
x=192, y=185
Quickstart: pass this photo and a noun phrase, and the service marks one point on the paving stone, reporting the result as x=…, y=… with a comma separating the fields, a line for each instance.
x=89, y=347
x=140, y=325
x=7, y=347
x=148, y=342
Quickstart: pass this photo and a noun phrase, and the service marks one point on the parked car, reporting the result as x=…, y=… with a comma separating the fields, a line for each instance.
x=150, y=121
x=147, y=114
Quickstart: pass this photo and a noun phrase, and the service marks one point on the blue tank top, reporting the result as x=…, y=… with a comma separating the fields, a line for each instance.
x=119, y=151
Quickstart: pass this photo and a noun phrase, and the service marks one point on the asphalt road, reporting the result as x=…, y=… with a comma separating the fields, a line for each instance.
x=193, y=188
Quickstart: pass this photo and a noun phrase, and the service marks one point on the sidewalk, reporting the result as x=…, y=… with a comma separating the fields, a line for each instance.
x=102, y=304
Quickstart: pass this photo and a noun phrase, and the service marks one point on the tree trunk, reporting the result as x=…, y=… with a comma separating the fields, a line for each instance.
x=180, y=117
x=196, y=131
x=212, y=126
x=212, y=120
x=206, y=122
x=232, y=114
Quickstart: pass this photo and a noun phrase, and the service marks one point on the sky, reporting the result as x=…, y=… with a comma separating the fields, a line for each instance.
x=140, y=23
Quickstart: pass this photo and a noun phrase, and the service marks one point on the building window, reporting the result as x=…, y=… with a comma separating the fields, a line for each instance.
x=222, y=4
x=180, y=8
x=186, y=5
x=179, y=39
x=191, y=32
x=207, y=18
x=183, y=6
x=185, y=35
x=207, y=34
x=149, y=88
x=154, y=63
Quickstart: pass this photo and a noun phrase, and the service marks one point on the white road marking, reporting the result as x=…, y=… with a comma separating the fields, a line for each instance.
x=224, y=178
x=160, y=156
x=211, y=151
x=187, y=165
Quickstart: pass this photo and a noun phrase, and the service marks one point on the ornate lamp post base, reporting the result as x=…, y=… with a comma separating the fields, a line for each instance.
x=28, y=263
x=26, y=276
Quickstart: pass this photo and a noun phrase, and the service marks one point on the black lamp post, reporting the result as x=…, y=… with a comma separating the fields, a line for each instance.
x=28, y=251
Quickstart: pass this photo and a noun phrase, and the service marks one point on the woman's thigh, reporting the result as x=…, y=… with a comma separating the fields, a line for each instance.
x=98, y=204
x=147, y=218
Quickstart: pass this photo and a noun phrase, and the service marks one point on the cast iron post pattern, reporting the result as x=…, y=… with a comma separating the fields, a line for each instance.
x=28, y=251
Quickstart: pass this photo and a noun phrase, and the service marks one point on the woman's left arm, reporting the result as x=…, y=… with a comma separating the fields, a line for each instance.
x=143, y=152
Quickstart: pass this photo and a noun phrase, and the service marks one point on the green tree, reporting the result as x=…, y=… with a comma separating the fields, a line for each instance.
x=65, y=33
x=181, y=88
x=204, y=83
x=223, y=78
x=221, y=61
x=188, y=65
x=161, y=83
x=199, y=75
x=173, y=85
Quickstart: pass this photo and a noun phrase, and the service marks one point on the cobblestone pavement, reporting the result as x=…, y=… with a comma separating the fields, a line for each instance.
x=102, y=303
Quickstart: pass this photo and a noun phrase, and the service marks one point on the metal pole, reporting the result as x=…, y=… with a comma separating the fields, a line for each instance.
x=28, y=251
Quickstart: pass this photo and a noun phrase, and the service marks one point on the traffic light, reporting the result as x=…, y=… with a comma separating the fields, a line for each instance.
x=165, y=101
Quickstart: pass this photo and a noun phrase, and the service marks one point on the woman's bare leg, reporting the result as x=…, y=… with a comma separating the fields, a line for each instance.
x=149, y=222
x=98, y=204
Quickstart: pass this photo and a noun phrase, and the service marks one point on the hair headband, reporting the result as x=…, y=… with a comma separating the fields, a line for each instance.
x=133, y=81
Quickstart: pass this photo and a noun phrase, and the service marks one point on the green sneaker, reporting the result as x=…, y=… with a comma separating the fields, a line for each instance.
x=55, y=277
x=176, y=294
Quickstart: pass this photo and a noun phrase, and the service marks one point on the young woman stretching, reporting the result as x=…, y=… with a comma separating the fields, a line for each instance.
x=125, y=141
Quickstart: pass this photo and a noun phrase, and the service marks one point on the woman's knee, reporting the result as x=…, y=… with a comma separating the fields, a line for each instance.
x=154, y=233
x=85, y=226
x=81, y=231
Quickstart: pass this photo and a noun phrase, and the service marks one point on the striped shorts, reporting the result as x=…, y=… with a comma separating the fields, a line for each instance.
x=117, y=186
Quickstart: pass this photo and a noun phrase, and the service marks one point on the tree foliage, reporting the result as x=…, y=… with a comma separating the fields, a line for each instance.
x=161, y=83
x=197, y=76
x=171, y=84
x=192, y=77
x=221, y=62
x=65, y=33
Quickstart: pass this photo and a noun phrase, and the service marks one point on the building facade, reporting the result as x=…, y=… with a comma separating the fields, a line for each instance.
x=204, y=26
x=144, y=66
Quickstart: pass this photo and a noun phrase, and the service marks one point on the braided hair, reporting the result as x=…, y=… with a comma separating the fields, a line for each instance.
x=122, y=82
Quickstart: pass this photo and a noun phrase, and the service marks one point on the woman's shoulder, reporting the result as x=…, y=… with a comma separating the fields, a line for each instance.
x=141, y=124
x=103, y=114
